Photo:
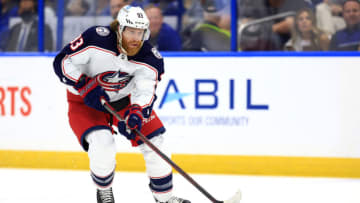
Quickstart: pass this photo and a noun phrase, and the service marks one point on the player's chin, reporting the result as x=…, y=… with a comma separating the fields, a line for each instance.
x=132, y=50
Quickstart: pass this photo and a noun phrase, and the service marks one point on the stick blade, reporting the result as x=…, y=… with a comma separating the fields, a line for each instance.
x=234, y=199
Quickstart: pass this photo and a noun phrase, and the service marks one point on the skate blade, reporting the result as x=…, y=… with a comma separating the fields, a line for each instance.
x=234, y=199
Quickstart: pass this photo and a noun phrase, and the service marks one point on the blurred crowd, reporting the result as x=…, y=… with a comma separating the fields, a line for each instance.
x=194, y=25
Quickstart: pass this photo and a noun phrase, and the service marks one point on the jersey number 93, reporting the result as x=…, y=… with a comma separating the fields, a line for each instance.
x=76, y=43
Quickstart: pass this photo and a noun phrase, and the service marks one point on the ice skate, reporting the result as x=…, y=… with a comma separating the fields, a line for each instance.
x=105, y=196
x=175, y=200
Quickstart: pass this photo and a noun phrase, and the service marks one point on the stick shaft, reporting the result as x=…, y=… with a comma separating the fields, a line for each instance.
x=176, y=167
x=164, y=157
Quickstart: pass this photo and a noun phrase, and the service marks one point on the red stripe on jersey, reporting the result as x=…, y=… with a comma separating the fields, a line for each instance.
x=79, y=52
x=63, y=69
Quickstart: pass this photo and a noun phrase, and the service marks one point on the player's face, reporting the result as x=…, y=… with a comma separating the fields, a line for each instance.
x=132, y=40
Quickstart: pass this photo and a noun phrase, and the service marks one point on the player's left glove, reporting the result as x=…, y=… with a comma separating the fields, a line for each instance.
x=133, y=120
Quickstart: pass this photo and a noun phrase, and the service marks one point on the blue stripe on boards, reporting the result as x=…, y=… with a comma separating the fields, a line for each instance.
x=218, y=54
x=264, y=54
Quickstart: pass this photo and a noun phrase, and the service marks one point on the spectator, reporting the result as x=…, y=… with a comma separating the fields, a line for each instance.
x=225, y=22
x=348, y=39
x=24, y=35
x=305, y=35
x=102, y=8
x=162, y=36
x=51, y=18
x=283, y=27
x=192, y=16
x=50, y=11
x=208, y=36
x=329, y=16
x=167, y=6
x=193, y=13
x=276, y=32
x=162, y=4
x=116, y=5
x=7, y=9
x=77, y=8
x=139, y=3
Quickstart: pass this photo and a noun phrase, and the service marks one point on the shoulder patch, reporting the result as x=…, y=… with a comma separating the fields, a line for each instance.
x=156, y=53
x=102, y=31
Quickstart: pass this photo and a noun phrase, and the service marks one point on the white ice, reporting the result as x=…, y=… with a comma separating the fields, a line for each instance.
x=55, y=186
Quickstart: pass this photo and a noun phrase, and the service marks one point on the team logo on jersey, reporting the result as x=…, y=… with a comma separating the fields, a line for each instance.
x=156, y=53
x=102, y=31
x=113, y=80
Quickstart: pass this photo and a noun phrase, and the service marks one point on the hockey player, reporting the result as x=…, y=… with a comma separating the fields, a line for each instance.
x=118, y=64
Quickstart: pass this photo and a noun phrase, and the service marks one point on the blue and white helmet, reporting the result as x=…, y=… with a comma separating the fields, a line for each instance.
x=134, y=17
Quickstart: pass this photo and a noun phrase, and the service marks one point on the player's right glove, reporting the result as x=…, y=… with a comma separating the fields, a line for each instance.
x=133, y=120
x=90, y=90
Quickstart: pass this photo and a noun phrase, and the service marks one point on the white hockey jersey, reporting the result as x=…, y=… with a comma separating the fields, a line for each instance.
x=95, y=53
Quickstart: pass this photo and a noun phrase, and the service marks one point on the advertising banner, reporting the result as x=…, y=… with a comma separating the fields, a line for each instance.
x=298, y=106
x=283, y=106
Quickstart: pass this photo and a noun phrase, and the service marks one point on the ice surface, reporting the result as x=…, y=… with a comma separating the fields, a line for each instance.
x=55, y=186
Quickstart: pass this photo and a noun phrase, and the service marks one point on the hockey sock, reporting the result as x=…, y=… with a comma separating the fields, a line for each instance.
x=161, y=187
x=103, y=182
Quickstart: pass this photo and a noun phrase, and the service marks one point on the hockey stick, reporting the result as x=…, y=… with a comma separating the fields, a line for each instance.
x=234, y=199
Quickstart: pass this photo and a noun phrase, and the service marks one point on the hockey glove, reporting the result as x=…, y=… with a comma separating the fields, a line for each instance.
x=133, y=120
x=90, y=90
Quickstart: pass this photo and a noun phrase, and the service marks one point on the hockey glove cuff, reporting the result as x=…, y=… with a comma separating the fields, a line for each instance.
x=124, y=130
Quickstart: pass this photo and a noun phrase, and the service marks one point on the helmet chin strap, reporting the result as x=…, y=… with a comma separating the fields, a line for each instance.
x=119, y=36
